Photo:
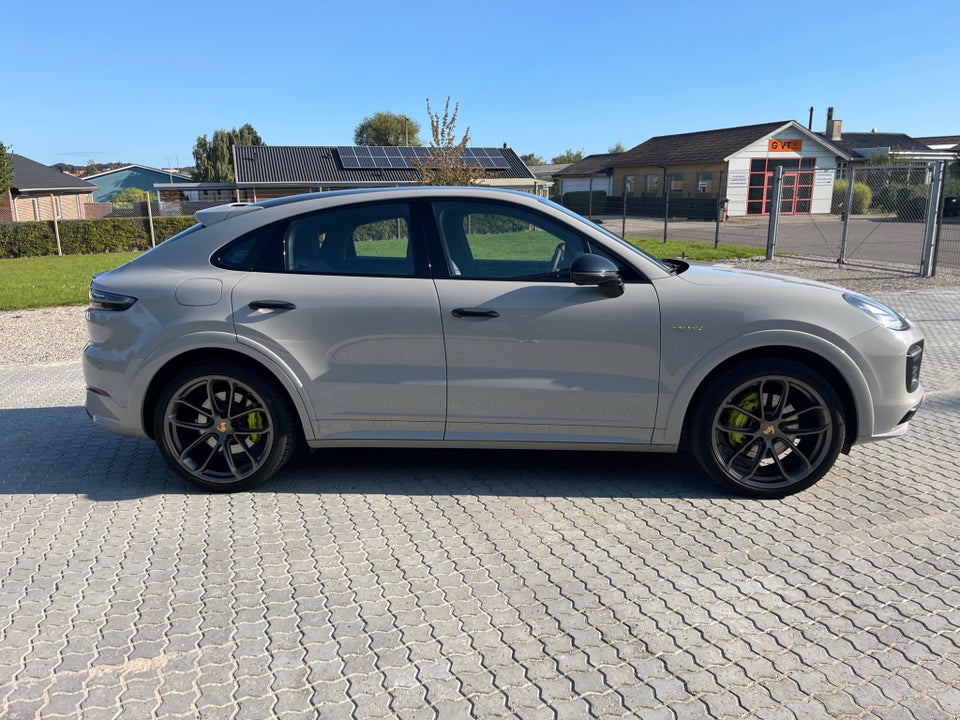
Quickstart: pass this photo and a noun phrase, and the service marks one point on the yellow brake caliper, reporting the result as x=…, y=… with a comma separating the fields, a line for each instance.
x=751, y=403
x=255, y=422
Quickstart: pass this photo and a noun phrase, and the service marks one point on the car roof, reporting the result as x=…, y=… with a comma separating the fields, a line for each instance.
x=404, y=191
x=219, y=213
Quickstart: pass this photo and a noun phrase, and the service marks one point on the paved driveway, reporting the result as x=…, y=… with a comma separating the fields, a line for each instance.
x=380, y=584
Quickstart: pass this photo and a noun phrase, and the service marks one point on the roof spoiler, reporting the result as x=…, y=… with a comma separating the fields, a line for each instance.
x=211, y=216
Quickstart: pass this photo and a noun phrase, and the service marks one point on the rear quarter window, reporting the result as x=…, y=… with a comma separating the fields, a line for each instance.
x=257, y=251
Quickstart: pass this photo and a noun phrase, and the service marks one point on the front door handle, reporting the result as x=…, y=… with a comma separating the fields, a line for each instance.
x=475, y=312
x=271, y=305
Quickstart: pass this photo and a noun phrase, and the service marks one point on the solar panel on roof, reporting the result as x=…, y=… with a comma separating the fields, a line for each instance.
x=348, y=158
x=490, y=158
x=379, y=158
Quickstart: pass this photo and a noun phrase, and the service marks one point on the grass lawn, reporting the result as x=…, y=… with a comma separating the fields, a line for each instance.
x=694, y=250
x=52, y=280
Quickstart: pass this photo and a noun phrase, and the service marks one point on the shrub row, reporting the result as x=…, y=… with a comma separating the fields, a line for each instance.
x=86, y=237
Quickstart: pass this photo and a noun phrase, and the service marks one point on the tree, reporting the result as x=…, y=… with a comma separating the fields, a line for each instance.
x=569, y=156
x=130, y=195
x=616, y=148
x=531, y=159
x=6, y=172
x=387, y=128
x=214, y=158
x=446, y=164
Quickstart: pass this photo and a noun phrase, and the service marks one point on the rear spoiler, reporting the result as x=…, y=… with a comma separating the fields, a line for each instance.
x=211, y=216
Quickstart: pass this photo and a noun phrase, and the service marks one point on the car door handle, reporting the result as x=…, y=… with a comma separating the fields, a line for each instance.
x=271, y=305
x=475, y=312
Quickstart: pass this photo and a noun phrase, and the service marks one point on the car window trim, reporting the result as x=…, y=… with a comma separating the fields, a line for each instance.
x=274, y=232
x=437, y=247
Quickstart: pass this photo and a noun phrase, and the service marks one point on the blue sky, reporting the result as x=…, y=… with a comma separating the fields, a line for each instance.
x=139, y=82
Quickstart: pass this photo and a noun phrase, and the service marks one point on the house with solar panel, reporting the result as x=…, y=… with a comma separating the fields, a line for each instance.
x=270, y=171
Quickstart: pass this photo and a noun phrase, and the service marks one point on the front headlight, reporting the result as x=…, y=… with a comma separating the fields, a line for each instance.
x=878, y=311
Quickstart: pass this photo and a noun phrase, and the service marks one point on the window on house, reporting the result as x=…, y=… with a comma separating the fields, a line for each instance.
x=705, y=182
x=652, y=184
x=675, y=183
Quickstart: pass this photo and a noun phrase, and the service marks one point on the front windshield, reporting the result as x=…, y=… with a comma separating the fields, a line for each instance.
x=616, y=238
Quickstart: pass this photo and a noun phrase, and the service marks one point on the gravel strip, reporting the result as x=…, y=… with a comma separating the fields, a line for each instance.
x=59, y=334
x=867, y=280
x=45, y=335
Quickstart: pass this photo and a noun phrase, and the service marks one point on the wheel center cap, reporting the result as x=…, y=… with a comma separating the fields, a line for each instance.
x=222, y=426
x=769, y=430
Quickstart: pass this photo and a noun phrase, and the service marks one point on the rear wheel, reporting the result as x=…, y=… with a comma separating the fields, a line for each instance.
x=222, y=427
x=768, y=428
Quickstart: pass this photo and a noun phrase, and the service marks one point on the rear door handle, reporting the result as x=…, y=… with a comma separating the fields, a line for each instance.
x=271, y=305
x=475, y=312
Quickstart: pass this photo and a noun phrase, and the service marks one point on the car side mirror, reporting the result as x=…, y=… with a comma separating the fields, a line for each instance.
x=590, y=269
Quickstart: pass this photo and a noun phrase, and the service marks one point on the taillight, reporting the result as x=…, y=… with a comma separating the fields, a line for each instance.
x=102, y=300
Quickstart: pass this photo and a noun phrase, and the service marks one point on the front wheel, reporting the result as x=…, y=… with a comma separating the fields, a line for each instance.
x=767, y=428
x=222, y=427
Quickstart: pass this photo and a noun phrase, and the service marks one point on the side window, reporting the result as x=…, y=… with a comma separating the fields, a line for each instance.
x=383, y=238
x=359, y=240
x=258, y=251
x=490, y=241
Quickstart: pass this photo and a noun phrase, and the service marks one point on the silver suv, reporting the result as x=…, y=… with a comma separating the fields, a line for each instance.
x=470, y=317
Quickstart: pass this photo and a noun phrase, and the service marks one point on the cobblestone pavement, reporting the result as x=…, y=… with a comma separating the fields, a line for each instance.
x=448, y=584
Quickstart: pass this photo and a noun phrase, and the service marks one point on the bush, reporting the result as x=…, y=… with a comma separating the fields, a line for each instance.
x=893, y=197
x=913, y=210
x=952, y=187
x=862, y=195
x=86, y=237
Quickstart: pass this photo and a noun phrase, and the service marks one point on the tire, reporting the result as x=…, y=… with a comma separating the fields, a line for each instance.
x=767, y=428
x=222, y=427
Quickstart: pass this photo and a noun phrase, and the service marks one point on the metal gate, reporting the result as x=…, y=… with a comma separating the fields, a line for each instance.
x=880, y=215
x=946, y=253
x=899, y=217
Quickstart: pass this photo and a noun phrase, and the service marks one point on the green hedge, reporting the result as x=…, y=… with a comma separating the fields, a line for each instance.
x=862, y=195
x=86, y=237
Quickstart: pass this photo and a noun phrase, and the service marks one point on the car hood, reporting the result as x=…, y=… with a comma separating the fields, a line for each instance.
x=729, y=276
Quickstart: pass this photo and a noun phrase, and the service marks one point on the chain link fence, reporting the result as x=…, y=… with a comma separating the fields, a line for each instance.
x=946, y=254
x=903, y=218
x=897, y=217
x=155, y=208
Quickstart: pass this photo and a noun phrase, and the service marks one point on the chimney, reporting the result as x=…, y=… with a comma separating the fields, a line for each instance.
x=810, y=121
x=833, y=126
